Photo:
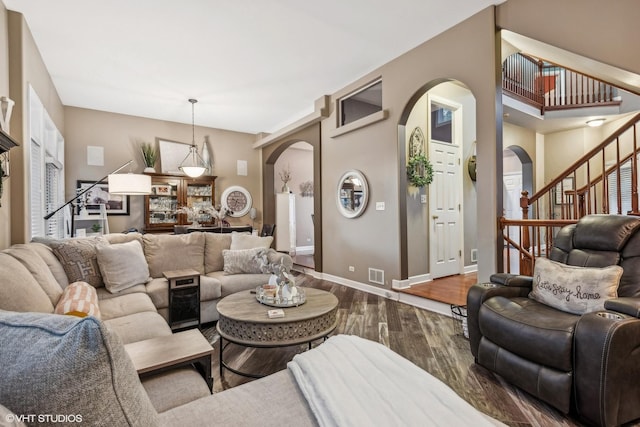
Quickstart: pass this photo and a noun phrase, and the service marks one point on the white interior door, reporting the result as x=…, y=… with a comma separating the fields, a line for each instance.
x=511, y=196
x=445, y=243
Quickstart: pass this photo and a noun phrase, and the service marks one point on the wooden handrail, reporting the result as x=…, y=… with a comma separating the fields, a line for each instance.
x=528, y=253
x=584, y=159
x=504, y=222
x=550, y=86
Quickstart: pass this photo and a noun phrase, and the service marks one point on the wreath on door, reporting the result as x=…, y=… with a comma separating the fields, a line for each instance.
x=419, y=168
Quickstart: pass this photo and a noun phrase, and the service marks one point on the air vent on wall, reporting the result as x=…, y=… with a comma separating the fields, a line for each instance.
x=376, y=276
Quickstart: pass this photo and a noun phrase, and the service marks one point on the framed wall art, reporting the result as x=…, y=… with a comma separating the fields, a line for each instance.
x=172, y=153
x=116, y=204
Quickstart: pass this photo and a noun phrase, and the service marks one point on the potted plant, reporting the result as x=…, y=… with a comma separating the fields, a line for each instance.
x=149, y=156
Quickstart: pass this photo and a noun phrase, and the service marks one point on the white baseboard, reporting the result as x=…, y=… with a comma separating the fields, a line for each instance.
x=407, y=283
x=470, y=268
x=424, y=303
x=305, y=250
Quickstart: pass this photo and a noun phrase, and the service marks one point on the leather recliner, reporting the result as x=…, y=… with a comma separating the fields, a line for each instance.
x=587, y=365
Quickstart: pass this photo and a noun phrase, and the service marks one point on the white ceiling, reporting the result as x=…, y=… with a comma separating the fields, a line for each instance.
x=255, y=66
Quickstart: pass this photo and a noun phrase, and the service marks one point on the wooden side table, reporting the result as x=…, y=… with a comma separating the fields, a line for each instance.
x=180, y=349
x=184, y=298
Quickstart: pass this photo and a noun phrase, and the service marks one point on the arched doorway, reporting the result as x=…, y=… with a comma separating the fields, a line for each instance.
x=270, y=175
x=418, y=221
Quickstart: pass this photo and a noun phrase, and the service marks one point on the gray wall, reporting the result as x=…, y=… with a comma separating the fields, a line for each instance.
x=374, y=239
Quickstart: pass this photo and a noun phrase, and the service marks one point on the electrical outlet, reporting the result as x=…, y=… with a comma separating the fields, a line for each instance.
x=379, y=206
x=352, y=268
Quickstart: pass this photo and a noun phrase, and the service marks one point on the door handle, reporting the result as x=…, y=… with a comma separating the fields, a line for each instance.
x=435, y=217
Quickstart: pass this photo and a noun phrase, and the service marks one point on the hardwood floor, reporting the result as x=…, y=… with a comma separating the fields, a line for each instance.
x=427, y=339
x=450, y=290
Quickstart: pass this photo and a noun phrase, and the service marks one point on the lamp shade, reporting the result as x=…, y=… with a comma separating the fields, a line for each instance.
x=129, y=183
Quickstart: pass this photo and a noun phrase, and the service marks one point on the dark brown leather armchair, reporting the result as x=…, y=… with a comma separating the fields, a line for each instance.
x=588, y=365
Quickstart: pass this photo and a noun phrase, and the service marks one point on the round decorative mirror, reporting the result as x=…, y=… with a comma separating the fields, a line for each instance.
x=352, y=194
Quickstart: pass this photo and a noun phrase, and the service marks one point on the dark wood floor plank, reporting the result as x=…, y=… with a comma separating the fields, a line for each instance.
x=428, y=339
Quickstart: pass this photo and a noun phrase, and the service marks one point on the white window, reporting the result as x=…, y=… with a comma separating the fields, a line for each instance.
x=46, y=172
x=55, y=224
x=625, y=189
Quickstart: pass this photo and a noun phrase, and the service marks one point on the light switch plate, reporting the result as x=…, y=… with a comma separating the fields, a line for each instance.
x=379, y=206
x=423, y=198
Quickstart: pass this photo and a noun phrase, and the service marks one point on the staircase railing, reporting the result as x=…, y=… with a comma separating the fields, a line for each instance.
x=549, y=86
x=592, y=184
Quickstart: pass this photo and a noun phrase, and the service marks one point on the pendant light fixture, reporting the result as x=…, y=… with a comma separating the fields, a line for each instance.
x=193, y=165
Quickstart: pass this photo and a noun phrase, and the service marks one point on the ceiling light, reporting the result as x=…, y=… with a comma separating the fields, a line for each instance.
x=595, y=122
x=193, y=165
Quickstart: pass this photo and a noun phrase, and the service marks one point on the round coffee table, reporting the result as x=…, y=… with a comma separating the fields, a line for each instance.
x=244, y=321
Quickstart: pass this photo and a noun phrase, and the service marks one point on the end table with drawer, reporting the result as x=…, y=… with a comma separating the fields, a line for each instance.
x=184, y=298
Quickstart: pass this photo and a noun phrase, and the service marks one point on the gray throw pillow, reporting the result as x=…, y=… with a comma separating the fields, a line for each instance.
x=72, y=367
x=122, y=265
x=241, y=261
x=571, y=289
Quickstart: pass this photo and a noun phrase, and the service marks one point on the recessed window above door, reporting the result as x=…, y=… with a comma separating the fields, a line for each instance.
x=362, y=103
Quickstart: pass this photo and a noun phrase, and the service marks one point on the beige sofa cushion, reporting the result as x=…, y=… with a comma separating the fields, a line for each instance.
x=71, y=366
x=79, y=259
x=19, y=290
x=238, y=282
x=166, y=252
x=46, y=253
x=103, y=293
x=175, y=387
x=122, y=265
x=214, y=244
x=39, y=269
x=125, y=305
x=139, y=326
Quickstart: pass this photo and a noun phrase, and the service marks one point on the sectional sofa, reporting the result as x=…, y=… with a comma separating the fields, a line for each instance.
x=125, y=273
x=64, y=369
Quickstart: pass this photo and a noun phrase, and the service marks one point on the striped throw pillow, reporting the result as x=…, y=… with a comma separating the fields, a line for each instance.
x=79, y=299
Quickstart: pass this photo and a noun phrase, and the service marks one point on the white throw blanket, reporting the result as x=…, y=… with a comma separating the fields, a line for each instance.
x=350, y=381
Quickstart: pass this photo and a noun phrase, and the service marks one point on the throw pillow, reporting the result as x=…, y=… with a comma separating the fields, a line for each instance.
x=79, y=299
x=79, y=259
x=122, y=265
x=241, y=261
x=249, y=241
x=574, y=289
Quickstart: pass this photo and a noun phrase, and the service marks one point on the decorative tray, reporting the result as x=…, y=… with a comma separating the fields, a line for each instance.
x=268, y=297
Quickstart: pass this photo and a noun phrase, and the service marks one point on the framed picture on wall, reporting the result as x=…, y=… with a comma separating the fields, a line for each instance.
x=116, y=204
x=561, y=189
x=172, y=153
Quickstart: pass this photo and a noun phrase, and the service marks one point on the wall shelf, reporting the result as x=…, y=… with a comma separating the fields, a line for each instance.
x=6, y=142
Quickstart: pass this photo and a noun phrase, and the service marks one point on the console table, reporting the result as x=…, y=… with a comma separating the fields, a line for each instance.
x=229, y=229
